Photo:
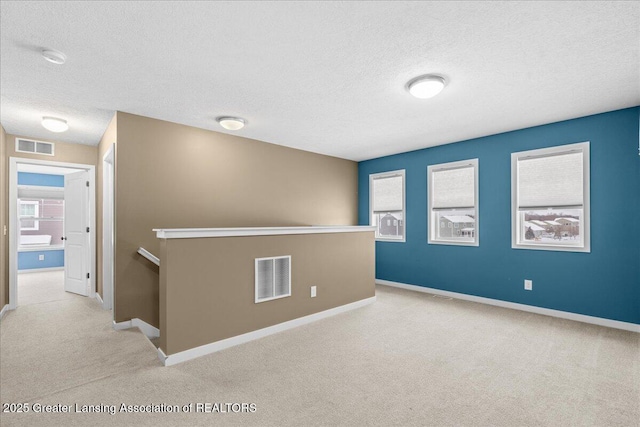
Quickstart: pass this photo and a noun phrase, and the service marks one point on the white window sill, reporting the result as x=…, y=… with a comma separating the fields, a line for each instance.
x=559, y=248
x=453, y=243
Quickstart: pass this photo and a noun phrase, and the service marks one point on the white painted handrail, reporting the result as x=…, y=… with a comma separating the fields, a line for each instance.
x=148, y=255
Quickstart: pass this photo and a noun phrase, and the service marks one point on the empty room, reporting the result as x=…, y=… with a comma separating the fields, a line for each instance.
x=320, y=213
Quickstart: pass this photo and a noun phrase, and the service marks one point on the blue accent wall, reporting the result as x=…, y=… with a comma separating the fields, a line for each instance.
x=29, y=260
x=40, y=179
x=604, y=283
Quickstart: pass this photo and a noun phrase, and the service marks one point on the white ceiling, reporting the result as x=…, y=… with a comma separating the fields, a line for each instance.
x=327, y=77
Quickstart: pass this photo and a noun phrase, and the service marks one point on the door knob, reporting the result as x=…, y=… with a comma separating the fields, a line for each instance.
x=63, y=238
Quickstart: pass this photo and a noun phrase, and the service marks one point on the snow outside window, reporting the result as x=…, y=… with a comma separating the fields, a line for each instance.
x=453, y=200
x=550, y=198
x=386, y=204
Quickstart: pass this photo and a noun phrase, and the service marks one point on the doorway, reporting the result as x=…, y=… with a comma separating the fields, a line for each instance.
x=35, y=216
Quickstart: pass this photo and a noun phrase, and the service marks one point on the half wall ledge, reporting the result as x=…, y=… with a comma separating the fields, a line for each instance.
x=194, y=233
x=210, y=283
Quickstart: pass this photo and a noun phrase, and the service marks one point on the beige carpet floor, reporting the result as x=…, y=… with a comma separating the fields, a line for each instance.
x=39, y=287
x=409, y=359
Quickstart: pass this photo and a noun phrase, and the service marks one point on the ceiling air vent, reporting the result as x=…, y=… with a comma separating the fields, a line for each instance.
x=273, y=278
x=34, y=147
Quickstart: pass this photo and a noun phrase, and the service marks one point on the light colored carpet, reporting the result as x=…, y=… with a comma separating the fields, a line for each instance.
x=408, y=359
x=39, y=287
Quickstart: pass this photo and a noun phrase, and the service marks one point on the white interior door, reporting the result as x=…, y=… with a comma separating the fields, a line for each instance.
x=76, y=233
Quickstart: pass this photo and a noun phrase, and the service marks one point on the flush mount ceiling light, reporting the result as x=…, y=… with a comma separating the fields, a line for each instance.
x=54, y=56
x=231, y=123
x=54, y=124
x=424, y=87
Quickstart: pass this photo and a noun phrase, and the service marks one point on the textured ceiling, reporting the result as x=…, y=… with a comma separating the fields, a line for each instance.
x=327, y=77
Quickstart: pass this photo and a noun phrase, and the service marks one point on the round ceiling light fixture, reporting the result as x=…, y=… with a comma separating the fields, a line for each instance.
x=428, y=86
x=231, y=123
x=54, y=56
x=54, y=124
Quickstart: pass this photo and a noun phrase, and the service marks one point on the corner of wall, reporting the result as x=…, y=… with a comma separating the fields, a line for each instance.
x=109, y=137
x=4, y=214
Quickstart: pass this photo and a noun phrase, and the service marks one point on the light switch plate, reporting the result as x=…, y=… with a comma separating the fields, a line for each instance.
x=528, y=285
x=313, y=292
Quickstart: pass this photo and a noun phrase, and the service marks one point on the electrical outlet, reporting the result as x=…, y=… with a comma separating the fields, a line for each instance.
x=41, y=257
x=313, y=292
x=528, y=285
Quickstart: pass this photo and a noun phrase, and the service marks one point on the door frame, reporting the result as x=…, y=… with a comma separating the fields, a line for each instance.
x=13, y=222
x=108, y=228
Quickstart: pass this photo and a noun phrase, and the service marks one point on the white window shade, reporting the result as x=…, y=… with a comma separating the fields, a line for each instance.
x=551, y=181
x=387, y=194
x=453, y=188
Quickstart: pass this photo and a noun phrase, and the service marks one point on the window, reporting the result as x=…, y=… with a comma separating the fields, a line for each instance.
x=386, y=192
x=29, y=210
x=453, y=200
x=273, y=278
x=550, y=198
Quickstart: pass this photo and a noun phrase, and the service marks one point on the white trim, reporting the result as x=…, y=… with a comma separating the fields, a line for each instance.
x=99, y=298
x=148, y=330
x=40, y=248
x=162, y=357
x=374, y=176
x=148, y=255
x=432, y=223
x=39, y=270
x=108, y=222
x=13, y=221
x=4, y=311
x=585, y=226
x=616, y=324
x=50, y=188
x=122, y=325
x=192, y=233
x=203, y=350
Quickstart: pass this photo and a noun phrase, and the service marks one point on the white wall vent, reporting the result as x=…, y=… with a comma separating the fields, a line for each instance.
x=273, y=278
x=34, y=147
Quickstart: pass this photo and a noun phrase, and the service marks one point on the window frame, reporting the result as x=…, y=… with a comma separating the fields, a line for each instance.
x=585, y=223
x=433, y=221
x=382, y=175
x=36, y=223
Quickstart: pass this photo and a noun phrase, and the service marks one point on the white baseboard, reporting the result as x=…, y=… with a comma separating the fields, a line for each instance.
x=515, y=306
x=40, y=270
x=122, y=325
x=99, y=298
x=4, y=311
x=148, y=330
x=203, y=350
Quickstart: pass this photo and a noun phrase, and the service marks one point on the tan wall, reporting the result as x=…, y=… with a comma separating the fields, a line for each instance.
x=107, y=140
x=4, y=221
x=207, y=287
x=67, y=153
x=175, y=176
